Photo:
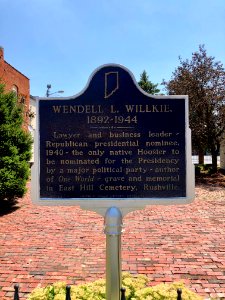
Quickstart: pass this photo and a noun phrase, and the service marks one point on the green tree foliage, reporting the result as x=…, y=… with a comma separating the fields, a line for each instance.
x=15, y=148
x=203, y=80
x=147, y=85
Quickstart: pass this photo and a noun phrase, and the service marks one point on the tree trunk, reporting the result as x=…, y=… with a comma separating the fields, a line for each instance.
x=214, y=161
x=201, y=157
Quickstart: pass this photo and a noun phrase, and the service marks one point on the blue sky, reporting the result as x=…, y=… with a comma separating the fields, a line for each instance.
x=62, y=42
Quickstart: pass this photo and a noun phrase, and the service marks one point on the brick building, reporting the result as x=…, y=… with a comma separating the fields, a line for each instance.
x=15, y=81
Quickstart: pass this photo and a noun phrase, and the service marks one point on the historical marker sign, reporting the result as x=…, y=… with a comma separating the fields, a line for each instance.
x=113, y=145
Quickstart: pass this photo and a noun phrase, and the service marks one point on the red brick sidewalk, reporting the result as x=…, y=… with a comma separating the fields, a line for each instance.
x=40, y=245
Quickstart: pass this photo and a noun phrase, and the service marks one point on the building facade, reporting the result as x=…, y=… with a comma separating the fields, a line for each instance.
x=15, y=81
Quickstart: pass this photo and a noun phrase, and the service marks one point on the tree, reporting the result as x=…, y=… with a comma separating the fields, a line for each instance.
x=15, y=148
x=203, y=80
x=147, y=85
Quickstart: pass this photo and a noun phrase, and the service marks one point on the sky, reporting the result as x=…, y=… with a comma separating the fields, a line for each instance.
x=61, y=42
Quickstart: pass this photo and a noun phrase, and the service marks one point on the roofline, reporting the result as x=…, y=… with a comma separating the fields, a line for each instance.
x=16, y=70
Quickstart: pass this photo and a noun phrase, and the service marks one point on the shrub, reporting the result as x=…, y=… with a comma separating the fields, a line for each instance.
x=197, y=170
x=15, y=148
x=136, y=289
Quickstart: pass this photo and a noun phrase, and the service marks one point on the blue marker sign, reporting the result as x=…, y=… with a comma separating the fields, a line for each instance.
x=113, y=144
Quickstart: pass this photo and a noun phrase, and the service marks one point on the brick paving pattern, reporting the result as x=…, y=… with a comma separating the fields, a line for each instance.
x=41, y=245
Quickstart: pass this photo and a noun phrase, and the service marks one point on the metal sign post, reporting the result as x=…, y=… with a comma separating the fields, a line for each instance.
x=113, y=229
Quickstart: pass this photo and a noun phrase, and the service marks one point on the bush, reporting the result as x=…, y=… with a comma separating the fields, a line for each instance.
x=15, y=148
x=197, y=170
x=136, y=289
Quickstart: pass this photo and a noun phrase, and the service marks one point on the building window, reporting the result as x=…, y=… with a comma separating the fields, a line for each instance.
x=15, y=89
x=22, y=100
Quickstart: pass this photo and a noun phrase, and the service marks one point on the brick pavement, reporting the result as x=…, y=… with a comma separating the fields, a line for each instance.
x=40, y=245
